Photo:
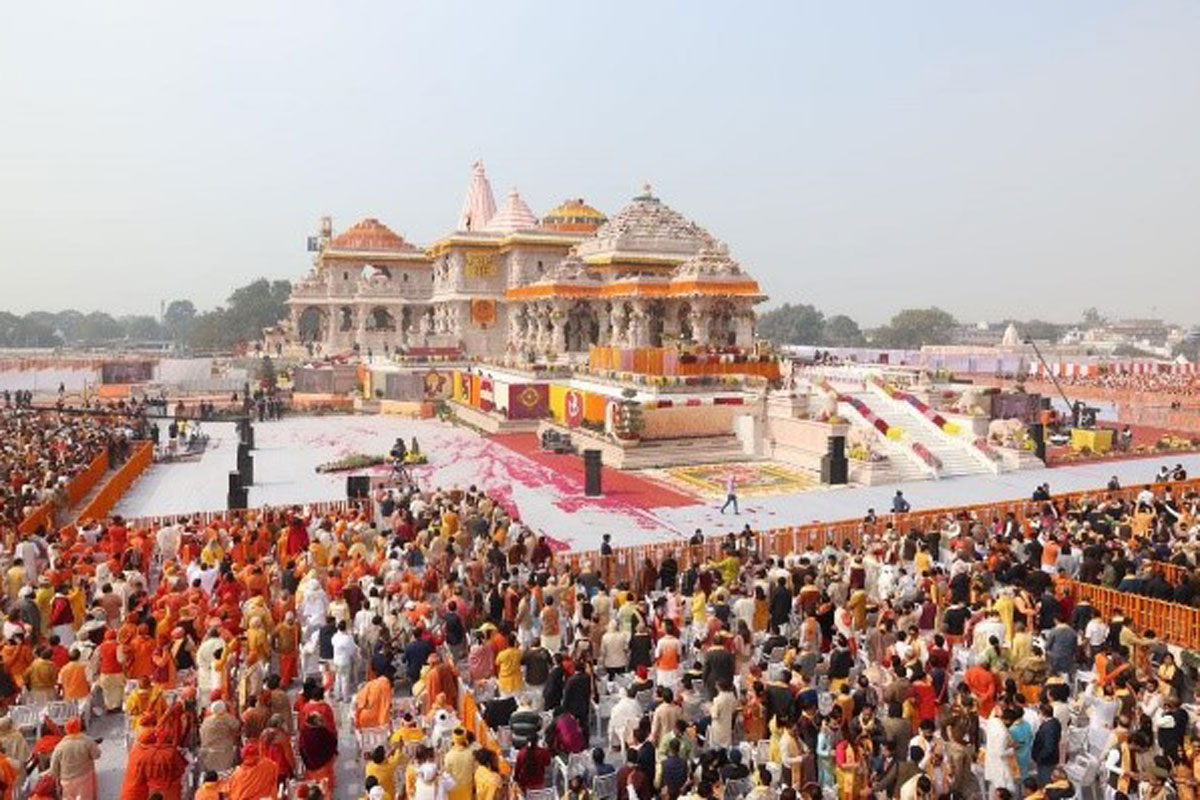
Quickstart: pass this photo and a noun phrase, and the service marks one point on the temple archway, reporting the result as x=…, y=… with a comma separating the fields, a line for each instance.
x=582, y=327
x=380, y=319
x=722, y=330
x=312, y=324
x=656, y=322
x=684, y=316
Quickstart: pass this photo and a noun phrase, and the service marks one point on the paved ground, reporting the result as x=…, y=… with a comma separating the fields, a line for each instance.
x=552, y=499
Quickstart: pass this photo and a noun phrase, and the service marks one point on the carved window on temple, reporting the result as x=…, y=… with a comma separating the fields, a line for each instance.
x=347, y=318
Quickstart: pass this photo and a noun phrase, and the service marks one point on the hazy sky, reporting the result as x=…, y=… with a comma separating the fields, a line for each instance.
x=1006, y=158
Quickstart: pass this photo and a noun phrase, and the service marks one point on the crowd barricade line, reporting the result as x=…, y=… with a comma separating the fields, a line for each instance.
x=1174, y=573
x=1172, y=623
x=111, y=493
x=77, y=489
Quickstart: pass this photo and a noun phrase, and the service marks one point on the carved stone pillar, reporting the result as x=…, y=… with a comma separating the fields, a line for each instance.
x=700, y=326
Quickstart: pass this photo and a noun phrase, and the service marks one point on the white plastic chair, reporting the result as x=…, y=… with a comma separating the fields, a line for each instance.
x=604, y=787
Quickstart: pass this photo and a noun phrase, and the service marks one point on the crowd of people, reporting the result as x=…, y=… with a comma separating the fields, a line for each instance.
x=921, y=662
x=41, y=451
x=1181, y=386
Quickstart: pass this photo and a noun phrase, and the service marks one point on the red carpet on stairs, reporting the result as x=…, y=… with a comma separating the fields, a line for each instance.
x=624, y=486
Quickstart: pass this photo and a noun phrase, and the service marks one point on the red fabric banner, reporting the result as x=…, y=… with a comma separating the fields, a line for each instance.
x=528, y=401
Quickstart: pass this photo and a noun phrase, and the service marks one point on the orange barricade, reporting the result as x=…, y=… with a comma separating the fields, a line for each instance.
x=112, y=492
x=85, y=481
x=77, y=489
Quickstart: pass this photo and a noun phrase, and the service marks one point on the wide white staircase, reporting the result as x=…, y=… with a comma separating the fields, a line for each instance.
x=957, y=455
x=905, y=465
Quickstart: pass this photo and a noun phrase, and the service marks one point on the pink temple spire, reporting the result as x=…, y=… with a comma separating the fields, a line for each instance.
x=480, y=206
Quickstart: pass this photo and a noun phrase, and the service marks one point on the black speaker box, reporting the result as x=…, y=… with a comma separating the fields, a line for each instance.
x=1037, y=432
x=591, y=473
x=358, y=487
x=834, y=471
x=837, y=446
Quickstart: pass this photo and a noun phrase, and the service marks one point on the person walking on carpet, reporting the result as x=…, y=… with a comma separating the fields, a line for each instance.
x=730, y=494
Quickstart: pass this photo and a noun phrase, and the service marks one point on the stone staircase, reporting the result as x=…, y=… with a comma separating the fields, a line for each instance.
x=685, y=452
x=905, y=464
x=957, y=455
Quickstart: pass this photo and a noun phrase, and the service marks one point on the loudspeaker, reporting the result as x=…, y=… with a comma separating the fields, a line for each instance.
x=1037, y=432
x=248, y=434
x=834, y=471
x=246, y=467
x=837, y=446
x=591, y=473
x=235, y=498
x=358, y=487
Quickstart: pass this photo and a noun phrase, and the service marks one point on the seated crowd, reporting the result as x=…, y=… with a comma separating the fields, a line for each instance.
x=913, y=661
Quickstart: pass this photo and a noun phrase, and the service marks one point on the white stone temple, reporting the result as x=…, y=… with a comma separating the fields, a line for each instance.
x=508, y=283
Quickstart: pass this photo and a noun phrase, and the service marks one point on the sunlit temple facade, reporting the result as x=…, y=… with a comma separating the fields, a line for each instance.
x=506, y=283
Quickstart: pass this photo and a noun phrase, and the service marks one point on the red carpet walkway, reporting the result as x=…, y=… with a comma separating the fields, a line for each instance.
x=624, y=486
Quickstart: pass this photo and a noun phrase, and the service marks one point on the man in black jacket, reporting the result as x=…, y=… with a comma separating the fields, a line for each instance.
x=1046, y=744
x=780, y=605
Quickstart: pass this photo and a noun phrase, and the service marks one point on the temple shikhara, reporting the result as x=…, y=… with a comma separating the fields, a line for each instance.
x=506, y=283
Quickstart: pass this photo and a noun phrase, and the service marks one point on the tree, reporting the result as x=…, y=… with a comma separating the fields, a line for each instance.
x=1040, y=330
x=255, y=306
x=210, y=332
x=179, y=318
x=914, y=327
x=842, y=331
x=99, y=327
x=1092, y=318
x=792, y=324
x=141, y=327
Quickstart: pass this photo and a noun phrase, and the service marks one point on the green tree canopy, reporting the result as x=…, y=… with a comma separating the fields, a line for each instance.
x=914, y=327
x=842, y=331
x=792, y=324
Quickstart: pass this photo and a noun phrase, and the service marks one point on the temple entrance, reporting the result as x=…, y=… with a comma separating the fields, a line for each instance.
x=722, y=330
x=381, y=319
x=656, y=322
x=686, y=334
x=312, y=324
x=582, y=327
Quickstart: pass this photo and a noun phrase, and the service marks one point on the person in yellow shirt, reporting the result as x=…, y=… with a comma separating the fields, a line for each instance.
x=489, y=783
x=14, y=578
x=41, y=677
x=508, y=668
x=382, y=767
x=460, y=765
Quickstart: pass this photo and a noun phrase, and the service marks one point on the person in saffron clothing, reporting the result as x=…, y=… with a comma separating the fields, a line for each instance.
x=256, y=779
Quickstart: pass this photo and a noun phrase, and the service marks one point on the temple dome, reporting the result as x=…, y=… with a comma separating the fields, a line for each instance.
x=514, y=215
x=712, y=261
x=647, y=226
x=371, y=235
x=574, y=216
